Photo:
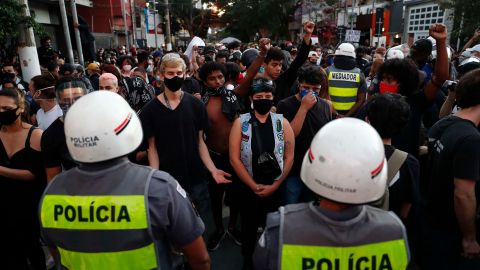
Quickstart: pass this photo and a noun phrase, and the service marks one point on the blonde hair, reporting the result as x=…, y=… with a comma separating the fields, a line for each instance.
x=172, y=60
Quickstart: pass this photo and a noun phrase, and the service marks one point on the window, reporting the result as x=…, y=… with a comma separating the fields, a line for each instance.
x=435, y=8
x=429, y=9
x=422, y=16
x=440, y=20
x=434, y=14
x=417, y=16
x=423, y=10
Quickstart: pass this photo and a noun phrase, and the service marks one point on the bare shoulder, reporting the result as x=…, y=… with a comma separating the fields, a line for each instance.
x=35, y=139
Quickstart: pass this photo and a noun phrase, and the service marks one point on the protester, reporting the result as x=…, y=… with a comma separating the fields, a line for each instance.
x=42, y=88
x=261, y=153
x=22, y=180
x=454, y=144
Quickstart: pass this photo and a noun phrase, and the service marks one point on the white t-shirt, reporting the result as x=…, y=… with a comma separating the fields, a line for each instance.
x=45, y=119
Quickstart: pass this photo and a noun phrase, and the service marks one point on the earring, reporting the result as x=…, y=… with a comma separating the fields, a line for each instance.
x=251, y=105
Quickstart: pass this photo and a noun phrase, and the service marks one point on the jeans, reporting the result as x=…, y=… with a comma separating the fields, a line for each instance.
x=201, y=200
x=296, y=191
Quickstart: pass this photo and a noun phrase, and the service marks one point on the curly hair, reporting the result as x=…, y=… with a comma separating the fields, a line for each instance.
x=388, y=113
x=405, y=72
x=210, y=67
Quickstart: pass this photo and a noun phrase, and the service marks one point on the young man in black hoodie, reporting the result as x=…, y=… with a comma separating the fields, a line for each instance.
x=454, y=144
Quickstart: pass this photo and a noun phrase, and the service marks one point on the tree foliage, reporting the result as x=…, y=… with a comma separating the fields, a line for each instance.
x=183, y=14
x=466, y=9
x=245, y=18
x=11, y=18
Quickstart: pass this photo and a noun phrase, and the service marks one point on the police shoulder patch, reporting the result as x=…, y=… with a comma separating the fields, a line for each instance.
x=181, y=191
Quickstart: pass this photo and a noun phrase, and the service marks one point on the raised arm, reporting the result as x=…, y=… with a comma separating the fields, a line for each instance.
x=242, y=89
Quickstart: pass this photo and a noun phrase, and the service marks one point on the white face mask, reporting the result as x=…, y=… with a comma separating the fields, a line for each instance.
x=127, y=68
x=149, y=68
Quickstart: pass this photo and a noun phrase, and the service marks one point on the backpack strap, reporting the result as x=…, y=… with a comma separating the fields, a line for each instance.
x=395, y=162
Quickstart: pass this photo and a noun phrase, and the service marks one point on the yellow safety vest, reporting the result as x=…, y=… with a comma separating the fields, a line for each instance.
x=110, y=231
x=343, y=87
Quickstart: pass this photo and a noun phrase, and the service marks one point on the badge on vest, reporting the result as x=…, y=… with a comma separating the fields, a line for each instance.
x=280, y=150
x=279, y=125
x=343, y=76
x=280, y=136
x=245, y=137
x=245, y=126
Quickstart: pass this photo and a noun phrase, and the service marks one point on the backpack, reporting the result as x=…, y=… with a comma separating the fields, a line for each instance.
x=395, y=162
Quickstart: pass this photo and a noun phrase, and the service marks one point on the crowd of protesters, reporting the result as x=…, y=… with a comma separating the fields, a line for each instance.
x=212, y=114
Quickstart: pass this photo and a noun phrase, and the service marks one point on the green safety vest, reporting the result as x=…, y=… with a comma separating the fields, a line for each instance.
x=103, y=224
x=373, y=240
x=343, y=87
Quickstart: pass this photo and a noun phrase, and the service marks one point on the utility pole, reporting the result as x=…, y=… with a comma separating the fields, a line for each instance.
x=134, y=22
x=168, y=41
x=66, y=32
x=27, y=49
x=353, y=9
x=373, y=34
x=155, y=26
x=124, y=14
x=77, y=32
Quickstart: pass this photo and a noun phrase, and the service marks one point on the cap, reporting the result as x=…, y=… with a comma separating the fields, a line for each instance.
x=209, y=49
x=67, y=67
x=93, y=67
x=312, y=53
x=395, y=54
x=157, y=53
x=345, y=49
x=423, y=45
x=236, y=55
x=475, y=48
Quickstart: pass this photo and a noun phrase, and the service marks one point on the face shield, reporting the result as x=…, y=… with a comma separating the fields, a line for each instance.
x=69, y=92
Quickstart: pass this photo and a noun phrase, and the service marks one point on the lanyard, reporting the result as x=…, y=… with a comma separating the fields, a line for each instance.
x=168, y=102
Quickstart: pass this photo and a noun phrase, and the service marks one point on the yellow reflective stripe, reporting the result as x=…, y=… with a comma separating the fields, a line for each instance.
x=331, y=73
x=384, y=255
x=121, y=212
x=338, y=106
x=142, y=258
x=342, y=92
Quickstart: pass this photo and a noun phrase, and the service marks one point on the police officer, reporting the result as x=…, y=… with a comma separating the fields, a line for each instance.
x=346, y=83
x=346, y=166
x=109, y=213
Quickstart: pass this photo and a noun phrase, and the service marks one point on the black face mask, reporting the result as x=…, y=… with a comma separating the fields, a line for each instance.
x=8, y=117
x=174, y=84
x=262, y=106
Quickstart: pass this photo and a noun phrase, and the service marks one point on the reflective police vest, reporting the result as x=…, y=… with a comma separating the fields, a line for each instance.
x=100, y=220
x=343, y=87
x=246, y=144
x=374, y=240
